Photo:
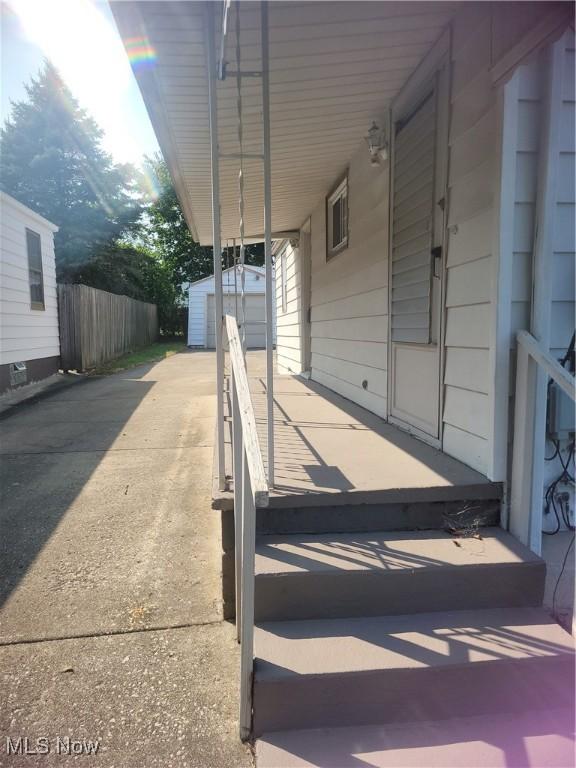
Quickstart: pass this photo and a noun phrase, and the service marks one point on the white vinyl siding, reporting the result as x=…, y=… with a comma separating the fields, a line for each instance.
x=199, y=291
x=564, y=256
x=349, y=293
x=525, y=191
x=530, y=116
x=562, y=323
x=469, y=261
x=481, y=35
x=289, y=347
x=26, y=333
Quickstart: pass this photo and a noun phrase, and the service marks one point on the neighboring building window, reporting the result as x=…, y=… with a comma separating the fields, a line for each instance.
x=283, y=282
x=337, y=219
x=35, y=276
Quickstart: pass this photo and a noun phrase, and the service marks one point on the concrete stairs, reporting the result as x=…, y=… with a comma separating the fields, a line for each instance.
x=404, y=642
x=425, y=509
x=378, y=574
x=503, y=741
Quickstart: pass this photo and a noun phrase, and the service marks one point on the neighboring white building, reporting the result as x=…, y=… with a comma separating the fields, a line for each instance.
x=201, y=307
x=29, y=338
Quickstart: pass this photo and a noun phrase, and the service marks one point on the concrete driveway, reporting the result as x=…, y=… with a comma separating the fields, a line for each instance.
x=110, y=556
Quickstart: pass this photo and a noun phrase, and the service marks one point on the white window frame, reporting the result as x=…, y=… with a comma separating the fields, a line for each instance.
x=339, y=193
x=35, y=271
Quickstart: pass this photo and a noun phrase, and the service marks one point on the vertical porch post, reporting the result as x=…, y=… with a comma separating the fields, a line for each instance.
x=216, y=238
x=237, y=454
x=268, y=237
x=542, y=280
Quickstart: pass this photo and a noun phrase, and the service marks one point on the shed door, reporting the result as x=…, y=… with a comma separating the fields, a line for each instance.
x=255, y=318
x=415, y=300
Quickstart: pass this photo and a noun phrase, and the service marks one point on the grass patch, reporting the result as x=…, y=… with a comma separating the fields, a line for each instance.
x=152, y=354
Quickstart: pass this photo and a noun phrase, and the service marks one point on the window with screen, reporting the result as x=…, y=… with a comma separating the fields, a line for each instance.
x=35, y=275
x=337, y=219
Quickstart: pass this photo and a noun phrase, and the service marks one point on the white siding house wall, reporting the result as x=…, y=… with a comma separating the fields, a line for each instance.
x=289, y=342
x=532, y=78
x=349, y=292
x=469, y=261
x=198, y=299
x=525, y=193
x=564, y=257
x=25, y=333
x=562, y=324
x=529, y=120
x=482, y=35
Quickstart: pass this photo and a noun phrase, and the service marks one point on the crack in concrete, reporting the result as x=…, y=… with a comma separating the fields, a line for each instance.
x=111, y=633
x=109, y=450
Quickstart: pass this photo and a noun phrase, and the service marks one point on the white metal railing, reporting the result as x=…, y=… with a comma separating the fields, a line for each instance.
x=527, y=483
x=217, y=70
x=250, y=493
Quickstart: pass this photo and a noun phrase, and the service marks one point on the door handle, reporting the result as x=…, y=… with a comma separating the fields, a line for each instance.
x=436, y=254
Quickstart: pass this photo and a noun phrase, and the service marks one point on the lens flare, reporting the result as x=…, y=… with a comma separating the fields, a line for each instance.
x=140, y=52
x=149, y=183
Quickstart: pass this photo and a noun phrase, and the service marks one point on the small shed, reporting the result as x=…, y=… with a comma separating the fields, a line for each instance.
x=29, y=338
x=201, y=307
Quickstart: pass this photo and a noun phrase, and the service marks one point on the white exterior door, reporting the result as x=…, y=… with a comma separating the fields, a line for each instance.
x=418, y=192
x=255, y=318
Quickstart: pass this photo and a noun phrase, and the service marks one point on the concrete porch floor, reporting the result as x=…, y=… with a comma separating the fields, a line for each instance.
x=331, y=451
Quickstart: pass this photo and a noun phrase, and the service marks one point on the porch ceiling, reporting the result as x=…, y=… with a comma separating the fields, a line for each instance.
x=333, y=69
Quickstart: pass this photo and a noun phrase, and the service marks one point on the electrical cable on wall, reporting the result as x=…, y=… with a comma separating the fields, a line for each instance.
x=551, y=498
x=559, y=579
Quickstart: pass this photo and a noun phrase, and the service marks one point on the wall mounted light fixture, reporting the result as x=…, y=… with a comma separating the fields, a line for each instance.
x=377, y=144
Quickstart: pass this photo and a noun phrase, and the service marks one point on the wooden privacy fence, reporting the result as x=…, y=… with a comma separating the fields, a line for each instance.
x=97, y=326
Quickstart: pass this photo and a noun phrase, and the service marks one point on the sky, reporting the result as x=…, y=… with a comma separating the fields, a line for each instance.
x=81, y=40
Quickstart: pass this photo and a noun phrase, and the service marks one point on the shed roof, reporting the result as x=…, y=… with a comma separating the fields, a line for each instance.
x=248, y=267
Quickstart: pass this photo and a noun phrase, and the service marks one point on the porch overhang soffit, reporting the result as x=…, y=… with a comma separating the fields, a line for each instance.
x=334, y=68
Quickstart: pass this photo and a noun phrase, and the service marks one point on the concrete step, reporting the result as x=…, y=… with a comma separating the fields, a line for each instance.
x=401, y=510
x=366, y=574
x=533, y=739
x=433, y=666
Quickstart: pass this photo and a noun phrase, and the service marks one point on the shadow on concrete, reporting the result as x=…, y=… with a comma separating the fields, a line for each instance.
x=496, y=740
x=516, y=674
x=36, y=485
x=313, y=425
x=372, y=555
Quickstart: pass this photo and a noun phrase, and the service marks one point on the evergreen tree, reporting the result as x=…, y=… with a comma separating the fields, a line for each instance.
x=52, y=161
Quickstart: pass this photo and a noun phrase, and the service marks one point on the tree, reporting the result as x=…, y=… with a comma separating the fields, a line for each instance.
x=165, y=228
x=51, y=160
